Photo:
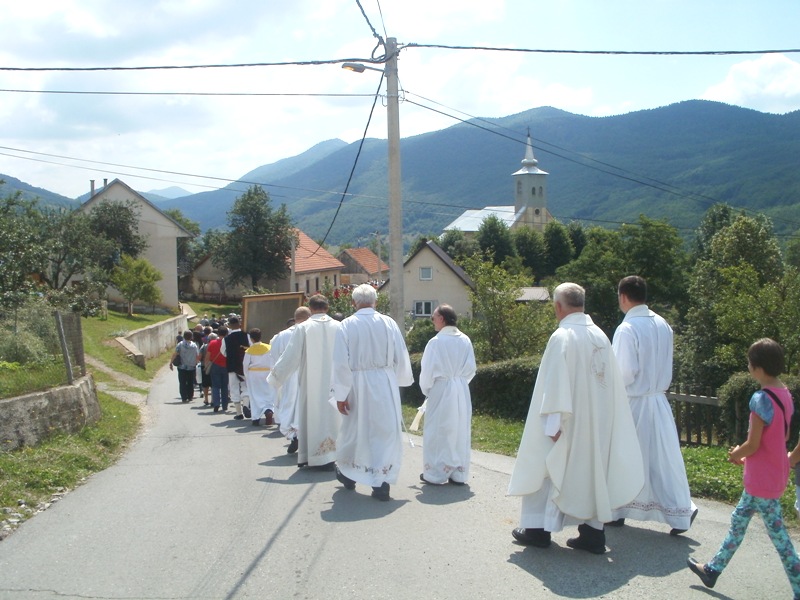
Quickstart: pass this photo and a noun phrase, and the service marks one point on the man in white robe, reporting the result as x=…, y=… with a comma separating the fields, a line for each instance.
x=643, y=347
x=257, y=363
x=370, y=364
x=448, y=365
x=286, y=401
x=310, y=354
x=579, y=457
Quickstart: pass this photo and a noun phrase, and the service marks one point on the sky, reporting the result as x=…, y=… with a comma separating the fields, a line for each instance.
x=176, y=137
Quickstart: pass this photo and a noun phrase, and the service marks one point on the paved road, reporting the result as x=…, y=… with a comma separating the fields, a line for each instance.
x=203, y=506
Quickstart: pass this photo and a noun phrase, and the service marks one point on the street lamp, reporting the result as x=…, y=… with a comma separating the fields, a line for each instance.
x=395, y=199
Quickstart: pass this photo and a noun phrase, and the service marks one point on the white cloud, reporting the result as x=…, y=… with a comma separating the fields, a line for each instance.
x=770, y=83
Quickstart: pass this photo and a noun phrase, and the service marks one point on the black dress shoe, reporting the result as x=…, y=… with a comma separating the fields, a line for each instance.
x=256, y=422
x=216, y=409
x=292, y=446
x=348, y=483
x=423, y=480
x=239, y=417
x=301, y=465
x=454, y=482
x=617, y=523
x=706, y=575
x=674, y=531
x=381, y=493
x=532, y=537
x=589, y=539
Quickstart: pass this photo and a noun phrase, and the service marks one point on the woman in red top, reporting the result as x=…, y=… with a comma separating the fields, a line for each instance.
x=219, y=371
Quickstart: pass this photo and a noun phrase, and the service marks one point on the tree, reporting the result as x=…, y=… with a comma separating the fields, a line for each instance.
x=457, y=245
x=190, y=250
x=71, y=243
x=136, y=279
x=716, y=218
x=558, y=245
x=20, y=253
x=577, y=235
x=653, y=249
x=531, y=249
x=494, y=238
x=118, y=224
x=598, y=270
x=258, y=246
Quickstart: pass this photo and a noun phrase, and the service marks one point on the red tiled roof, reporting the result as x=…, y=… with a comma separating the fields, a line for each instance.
x=367, y=259
x=309, y=257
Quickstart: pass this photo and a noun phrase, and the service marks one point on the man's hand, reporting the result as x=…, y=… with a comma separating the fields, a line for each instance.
x=555, y=437
x=343, y=407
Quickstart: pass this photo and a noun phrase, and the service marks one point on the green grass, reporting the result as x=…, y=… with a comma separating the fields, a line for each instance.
x=709, y=473
x=98, y=342
x=17, y=380
x=33, y=474
x=205, y=308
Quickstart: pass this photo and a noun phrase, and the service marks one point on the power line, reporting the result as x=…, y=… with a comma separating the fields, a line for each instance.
x=608, y=52
x=234, y=94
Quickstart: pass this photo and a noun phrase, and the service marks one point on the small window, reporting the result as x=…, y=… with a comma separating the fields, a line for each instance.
x=423, y=308
x=425, y=273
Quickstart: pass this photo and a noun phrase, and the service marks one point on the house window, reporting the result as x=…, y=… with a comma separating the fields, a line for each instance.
x=425, y=273
x=308, y=286
x=316, y=284
x=423, y=308
x=334, y=280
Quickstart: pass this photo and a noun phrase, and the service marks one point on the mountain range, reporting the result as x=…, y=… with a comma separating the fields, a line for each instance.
x=672, y=162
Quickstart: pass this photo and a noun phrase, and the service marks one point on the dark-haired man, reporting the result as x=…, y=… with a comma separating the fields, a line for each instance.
x=643, y=347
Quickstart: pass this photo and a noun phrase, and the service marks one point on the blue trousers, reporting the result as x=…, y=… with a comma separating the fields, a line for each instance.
x=770, y=511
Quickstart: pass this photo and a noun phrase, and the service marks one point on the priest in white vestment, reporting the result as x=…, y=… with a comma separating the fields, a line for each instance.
x=286, y=394
x=579, y=457
x=257, y=363
x=643, y=347
x=448, y=365
x=310, y=354
x=370, y=364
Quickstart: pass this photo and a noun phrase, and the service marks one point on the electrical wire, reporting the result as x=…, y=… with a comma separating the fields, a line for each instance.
x=375, y=34
x=608, y=52
x=232, y=94
x=299, y=63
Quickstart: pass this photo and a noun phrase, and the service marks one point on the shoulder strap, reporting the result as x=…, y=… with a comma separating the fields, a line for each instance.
x=780, y=405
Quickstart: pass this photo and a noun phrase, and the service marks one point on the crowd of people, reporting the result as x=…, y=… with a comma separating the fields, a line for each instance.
x=599, y=444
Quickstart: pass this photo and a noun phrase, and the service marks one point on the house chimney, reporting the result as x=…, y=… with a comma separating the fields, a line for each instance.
x=105, y=182
x=91, y=193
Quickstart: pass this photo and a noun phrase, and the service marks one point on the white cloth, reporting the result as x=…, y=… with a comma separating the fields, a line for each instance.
x=448, y=365
x=257, y=363
x=286, y=399
x=596, y=465
x=310, y=354
x=370, y=364
x=643, y=347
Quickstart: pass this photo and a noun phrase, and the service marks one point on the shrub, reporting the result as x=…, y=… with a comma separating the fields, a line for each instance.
x=419, y=335
x=502, y=389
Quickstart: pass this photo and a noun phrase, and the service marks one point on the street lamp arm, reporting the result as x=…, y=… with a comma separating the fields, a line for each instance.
x=359, y=68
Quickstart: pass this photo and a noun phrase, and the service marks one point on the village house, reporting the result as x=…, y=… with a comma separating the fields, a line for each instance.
x=362, y=265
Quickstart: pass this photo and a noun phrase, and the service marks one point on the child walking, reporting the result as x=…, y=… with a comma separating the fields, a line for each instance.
x=766, y=467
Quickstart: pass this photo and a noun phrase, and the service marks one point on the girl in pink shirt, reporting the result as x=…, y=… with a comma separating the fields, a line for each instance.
x=766, y=467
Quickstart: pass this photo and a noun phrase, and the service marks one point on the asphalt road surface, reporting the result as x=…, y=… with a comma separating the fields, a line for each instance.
x=203, y=506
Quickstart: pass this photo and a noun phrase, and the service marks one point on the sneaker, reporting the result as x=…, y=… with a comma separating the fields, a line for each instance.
x=706, y=575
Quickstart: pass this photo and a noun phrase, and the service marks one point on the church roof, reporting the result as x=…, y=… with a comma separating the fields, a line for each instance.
x=470, y=220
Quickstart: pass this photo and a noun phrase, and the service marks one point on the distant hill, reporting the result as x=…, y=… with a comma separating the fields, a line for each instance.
x=169, y=193
x=671, y=162
x=29, y=192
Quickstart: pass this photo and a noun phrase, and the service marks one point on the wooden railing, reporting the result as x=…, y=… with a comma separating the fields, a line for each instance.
x=696, y=418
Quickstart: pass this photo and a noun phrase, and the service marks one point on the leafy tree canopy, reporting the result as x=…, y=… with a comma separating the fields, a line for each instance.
x=494, y=239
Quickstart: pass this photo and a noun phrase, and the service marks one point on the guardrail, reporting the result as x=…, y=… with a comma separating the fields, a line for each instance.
x=696, y=418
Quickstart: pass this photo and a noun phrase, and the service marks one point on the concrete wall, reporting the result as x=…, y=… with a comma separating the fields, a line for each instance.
x=29, y=419
x=154, y=339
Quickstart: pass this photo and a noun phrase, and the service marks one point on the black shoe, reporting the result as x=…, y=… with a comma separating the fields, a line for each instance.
x=246, y=411
x=216, y=409
x=617, y=523
x=454, y=482
x=589, y=539
x=348, y=483
x=256, y=422
x=292, y=446
x=706, y=575
x=423, y=480
x=381, y=493
x=301, y=465
x=239, y=417
x=680, y=531
x=532, y=537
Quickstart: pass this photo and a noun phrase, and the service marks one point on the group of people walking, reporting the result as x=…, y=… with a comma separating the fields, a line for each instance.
x=599, y=444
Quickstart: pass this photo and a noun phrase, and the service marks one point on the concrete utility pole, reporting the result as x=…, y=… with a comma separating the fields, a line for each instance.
x=395, y=197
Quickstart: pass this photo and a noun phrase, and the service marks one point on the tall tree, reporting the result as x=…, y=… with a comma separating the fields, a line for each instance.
x=258, y=246
x=577, y=235
x=20, y=254
x=716, y=218
x=558, y=245
x=72, y=245
x=531, y=249
x=494, y=238
x=457, y=245
x=118, y=224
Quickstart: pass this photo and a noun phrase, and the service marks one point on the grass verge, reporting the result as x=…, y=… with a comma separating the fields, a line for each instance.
x=31, y=476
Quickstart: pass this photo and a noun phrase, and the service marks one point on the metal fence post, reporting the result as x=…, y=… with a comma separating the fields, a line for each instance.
x=63, y=340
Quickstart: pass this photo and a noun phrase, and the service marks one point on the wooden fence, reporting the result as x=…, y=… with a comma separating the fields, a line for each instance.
x=696, y=417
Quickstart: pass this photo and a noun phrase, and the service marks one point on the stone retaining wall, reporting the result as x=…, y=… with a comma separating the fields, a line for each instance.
x=154, y=339
x=29, y=419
